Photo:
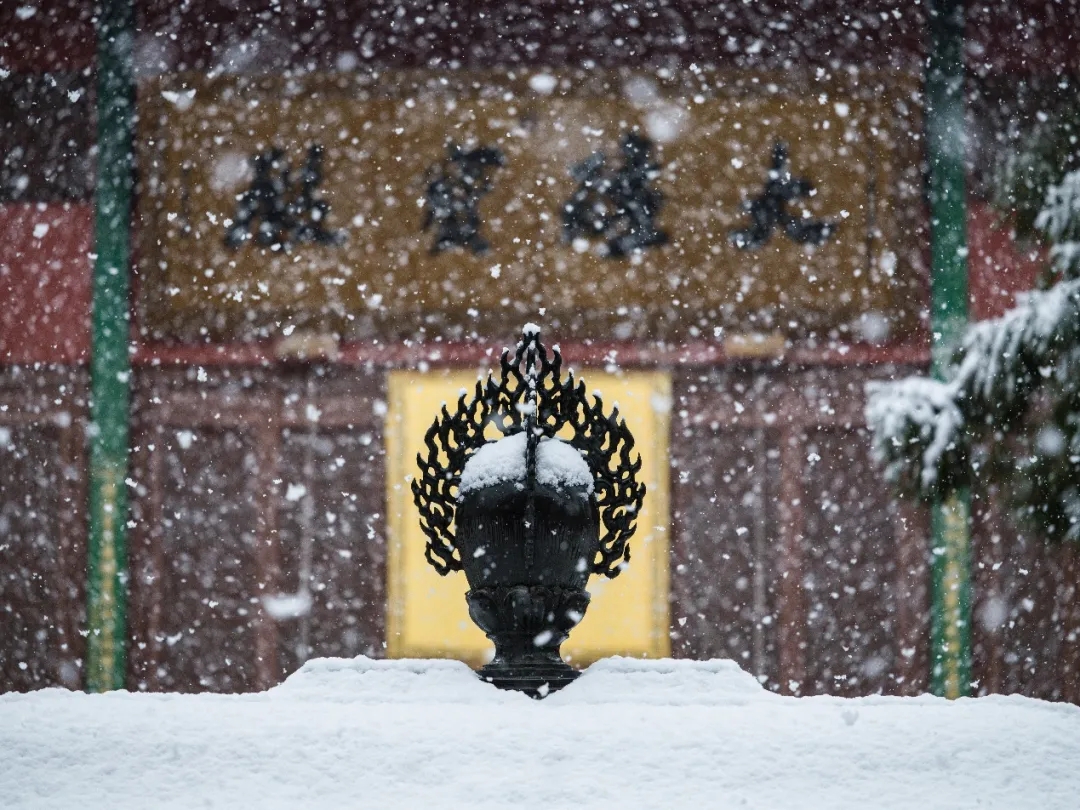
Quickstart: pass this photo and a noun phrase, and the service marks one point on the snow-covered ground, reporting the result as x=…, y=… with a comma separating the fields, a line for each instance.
x=627, y=734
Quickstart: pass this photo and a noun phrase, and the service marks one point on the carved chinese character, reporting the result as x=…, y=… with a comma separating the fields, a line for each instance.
x=275, y=210
x=452, y=203
x=769, y=209
x=619, y=206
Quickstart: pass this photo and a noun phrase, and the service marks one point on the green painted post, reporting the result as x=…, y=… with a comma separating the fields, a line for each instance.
x=109, y=362
x=950, y=635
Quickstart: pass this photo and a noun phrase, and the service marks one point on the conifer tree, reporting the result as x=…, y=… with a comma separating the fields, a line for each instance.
x=1009, y=411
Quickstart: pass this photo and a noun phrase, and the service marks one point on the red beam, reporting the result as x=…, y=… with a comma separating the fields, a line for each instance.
x=587, y=353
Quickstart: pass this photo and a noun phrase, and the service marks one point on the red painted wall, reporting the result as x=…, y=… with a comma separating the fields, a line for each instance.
x=45, y=282
x=998, y=268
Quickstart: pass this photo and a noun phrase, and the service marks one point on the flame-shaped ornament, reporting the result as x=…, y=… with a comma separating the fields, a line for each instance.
x=529, y=487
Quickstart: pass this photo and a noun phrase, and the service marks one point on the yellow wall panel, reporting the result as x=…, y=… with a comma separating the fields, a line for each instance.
x=427, y=614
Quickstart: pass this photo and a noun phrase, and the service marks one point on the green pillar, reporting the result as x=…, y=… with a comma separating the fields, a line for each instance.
x=950, y=636
x=109, y=363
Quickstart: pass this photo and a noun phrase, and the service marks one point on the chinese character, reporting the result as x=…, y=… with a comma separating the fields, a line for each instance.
x=619, y=206
x=276, y=211
x=453, y=197
x=769, y=209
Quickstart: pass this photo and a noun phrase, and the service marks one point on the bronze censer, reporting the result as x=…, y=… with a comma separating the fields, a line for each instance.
x=529, y=487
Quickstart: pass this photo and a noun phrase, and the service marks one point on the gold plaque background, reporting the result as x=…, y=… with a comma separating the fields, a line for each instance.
x=427, y=614
x=381, y=137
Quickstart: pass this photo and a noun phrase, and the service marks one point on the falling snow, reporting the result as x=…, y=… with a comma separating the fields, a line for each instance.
x=728, y=207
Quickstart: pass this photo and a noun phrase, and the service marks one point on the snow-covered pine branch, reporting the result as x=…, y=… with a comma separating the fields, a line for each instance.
x=1002, y=361
x=1059, y=220
x=923, y=429
x=916, y=423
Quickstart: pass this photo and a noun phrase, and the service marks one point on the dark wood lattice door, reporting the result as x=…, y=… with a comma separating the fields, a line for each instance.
x=259, y=535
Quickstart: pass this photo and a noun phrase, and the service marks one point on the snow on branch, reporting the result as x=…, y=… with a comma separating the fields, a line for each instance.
x=1059, y=220
x=915, y=422
x=1003, y=360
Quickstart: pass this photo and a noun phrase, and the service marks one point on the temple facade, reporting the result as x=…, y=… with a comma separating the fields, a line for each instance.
x=344, y=211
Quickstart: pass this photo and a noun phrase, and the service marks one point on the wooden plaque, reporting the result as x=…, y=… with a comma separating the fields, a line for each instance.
x=382, y=140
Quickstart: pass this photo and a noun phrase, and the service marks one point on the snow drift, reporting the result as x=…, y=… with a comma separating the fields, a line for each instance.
x=627, y=734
